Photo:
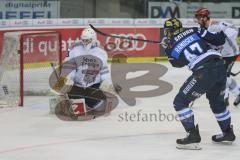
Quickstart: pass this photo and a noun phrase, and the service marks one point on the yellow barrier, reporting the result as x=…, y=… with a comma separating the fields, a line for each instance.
x=110, y=60
x=137, y=59
x=36, y=65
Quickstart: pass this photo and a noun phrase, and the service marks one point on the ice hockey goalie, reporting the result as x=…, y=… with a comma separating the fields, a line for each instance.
x=90, y=92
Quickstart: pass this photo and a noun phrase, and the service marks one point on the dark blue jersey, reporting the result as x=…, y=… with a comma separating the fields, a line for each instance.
x=190, y=47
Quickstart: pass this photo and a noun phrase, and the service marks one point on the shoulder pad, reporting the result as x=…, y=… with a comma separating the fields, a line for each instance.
x=75, y=45
x=214, y=22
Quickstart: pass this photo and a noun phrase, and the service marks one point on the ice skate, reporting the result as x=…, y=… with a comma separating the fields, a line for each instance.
x=191, y=142
x=227, y=137
x=237, y=101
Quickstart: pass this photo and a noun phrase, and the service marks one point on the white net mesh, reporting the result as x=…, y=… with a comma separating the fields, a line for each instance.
x=10, y=71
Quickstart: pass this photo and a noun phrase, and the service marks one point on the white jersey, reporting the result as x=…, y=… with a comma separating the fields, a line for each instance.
x=230, y=47
x=90, y=66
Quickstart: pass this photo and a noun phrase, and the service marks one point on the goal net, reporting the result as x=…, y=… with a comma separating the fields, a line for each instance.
x=25, y=64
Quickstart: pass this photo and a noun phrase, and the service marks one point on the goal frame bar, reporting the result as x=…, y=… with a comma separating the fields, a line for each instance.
x=20, y=52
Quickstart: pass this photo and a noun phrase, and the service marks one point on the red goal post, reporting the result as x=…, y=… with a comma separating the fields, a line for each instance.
x=28, y=54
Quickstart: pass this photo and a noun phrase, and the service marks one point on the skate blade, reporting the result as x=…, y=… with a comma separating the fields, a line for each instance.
x=224, y=142
x=192, y=146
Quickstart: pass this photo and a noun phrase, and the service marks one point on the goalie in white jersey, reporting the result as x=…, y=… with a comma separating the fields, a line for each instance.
x=89, y=75
x=89, y=60
x=229, y=51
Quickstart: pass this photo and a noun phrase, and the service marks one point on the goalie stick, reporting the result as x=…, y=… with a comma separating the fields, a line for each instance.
x=53, y=68
x=128, y=38
x=57, y=76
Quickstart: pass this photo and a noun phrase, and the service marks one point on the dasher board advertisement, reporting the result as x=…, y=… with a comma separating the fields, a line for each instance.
x=39, y=50
x=29, y=9
x=187, y=10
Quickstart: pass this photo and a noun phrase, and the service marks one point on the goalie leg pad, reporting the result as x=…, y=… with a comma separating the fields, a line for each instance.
x=67, y=110
x=70, y=109
x=53, y=101
x=63, y=112
x=106, y=106
x=78, y=107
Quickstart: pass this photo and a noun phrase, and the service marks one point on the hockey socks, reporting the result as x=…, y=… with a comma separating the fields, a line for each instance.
x=186, y=117
x=224, y=120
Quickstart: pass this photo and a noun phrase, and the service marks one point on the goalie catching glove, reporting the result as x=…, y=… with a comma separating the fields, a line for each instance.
x=64, y=84
x=107, y=86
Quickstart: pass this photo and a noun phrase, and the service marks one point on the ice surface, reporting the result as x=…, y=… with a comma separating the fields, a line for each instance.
x=30, y=133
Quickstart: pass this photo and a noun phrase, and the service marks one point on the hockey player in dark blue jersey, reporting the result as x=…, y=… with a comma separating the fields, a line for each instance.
x=189, y=47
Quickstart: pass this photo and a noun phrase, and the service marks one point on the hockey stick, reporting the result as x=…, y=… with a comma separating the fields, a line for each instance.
x=122, y=37
x=55, y=72
x=234, y=74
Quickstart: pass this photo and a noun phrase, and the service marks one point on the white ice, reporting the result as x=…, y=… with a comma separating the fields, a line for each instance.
x=31, y=133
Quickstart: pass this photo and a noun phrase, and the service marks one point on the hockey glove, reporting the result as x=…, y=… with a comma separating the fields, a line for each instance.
x=63, y=85
x=107, y=86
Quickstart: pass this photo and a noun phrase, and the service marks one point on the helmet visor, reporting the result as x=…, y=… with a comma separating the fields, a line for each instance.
x=86, y=41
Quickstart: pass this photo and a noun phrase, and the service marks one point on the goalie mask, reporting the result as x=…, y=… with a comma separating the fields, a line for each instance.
x=88, y=38
x=172, y=27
